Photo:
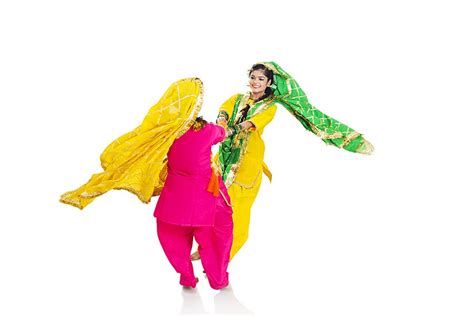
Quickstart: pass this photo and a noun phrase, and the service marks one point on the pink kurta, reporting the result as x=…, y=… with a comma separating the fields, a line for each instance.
x=186, y=210
x=185, y=200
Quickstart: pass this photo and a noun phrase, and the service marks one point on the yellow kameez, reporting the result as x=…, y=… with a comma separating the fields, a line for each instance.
x=246, y=185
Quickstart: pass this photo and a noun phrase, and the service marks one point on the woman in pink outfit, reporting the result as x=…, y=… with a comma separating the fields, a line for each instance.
x=194, y=204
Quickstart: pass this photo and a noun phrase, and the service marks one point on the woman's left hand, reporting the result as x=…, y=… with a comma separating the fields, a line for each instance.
x=246, y=125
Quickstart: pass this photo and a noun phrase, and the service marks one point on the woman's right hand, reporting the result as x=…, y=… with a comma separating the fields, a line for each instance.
x=222, y=119
x=222, y=122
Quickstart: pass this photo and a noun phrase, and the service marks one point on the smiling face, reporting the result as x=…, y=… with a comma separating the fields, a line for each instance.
x=258, y=82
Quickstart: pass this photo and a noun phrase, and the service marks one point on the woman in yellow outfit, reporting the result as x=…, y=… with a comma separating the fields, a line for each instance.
x=243, y=181
x=240, y=157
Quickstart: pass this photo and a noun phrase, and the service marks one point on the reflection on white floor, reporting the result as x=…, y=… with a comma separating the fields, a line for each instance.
x=225, y=302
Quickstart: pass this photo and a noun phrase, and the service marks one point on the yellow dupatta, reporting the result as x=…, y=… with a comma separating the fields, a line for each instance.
x=136, y=160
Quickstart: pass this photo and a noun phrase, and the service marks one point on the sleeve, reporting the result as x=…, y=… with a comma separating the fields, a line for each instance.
x=228, y=106
x=262, y=119
x=217, y=133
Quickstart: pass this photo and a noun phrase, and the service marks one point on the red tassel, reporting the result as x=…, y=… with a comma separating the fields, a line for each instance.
x=213, y=185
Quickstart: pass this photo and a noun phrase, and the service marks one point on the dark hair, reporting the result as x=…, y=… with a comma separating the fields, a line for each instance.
x=268, y=73
x=201, y=120
x=199, y=123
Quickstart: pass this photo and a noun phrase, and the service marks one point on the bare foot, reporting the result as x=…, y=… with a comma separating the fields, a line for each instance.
x=195, y=256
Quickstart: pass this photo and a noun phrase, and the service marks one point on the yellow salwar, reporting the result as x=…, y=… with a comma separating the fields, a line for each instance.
x=246, y=185
x=242, y=200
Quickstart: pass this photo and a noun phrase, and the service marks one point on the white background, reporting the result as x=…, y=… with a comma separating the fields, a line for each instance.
x=335, y=233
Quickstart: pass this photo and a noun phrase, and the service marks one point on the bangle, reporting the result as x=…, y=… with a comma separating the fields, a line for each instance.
x=238, y=128
x=223, y=115
x=229, y=131
x=234, y=129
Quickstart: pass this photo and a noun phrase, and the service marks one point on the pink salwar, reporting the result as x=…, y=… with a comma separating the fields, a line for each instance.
x=187, y=210
x=214, y=242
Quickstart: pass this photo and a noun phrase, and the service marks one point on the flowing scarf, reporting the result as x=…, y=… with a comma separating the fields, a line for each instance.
x=288, y=93
x=136, y=160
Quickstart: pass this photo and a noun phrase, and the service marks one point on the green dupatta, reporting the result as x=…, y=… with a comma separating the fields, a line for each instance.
x=233, y=148
x=288, y=93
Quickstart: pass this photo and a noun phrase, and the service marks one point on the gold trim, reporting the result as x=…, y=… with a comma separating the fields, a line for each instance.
x=233, y=172
x=266, y=103
x=365, y=148
x=225, y=199
x=271, y=67
x=349, y=138
x=197, y=109
x=70, y=202
x=254, y=182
